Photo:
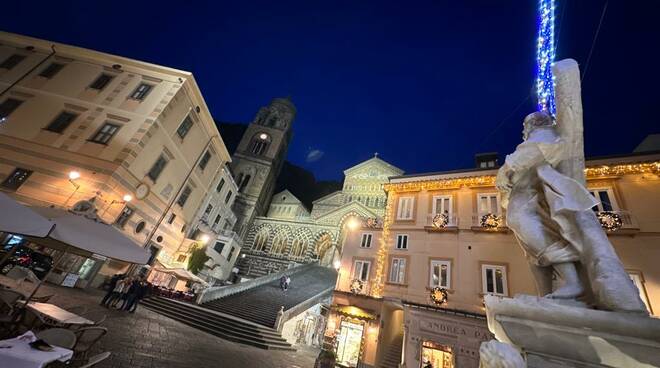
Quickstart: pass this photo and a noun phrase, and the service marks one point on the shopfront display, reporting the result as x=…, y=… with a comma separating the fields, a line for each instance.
x=349, y=343
x=436, y=355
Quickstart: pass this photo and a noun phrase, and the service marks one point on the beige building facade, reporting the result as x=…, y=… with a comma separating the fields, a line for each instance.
x=138, y=138
x=444, y=236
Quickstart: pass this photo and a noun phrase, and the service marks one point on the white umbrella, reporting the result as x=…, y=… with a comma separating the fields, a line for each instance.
x=16, y=218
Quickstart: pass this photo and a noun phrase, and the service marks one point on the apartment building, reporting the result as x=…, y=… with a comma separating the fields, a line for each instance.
x=444, y=244
x=134, y=140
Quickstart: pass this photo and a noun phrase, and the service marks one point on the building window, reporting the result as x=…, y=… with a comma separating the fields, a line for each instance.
x=366, y=240
x=217, y=220
x=397, y=270
x=219, y=246
x=220, y=185
x=51, y=70
x=228, y=197
x=298, y=247
x=181, y=258
x=124, y=216
x=440, y=274
x=260, y=241
x=208, y=210
x=606, y=198
x=231, y=253
x=184, y=127
x=244, y=182
x=494, y=279
x=171, y=219
x=205, y=160
x=141, y=91
x=12, y=61
x=279, y=245
x=442, y=204
x=104, y=134
x=16, y=178
x=7, y=107
x=638, y=279
x=405, y=209
x=402, y=241
x=489, y=203
x=61, y=122
x=259, y=146
x=184, y=196
x=361, y=270
x=101, y=81
x=157, y=168
x=139, y=227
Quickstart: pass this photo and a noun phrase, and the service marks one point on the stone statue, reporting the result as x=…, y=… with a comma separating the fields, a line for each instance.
x=495, y=354
x=550, y=210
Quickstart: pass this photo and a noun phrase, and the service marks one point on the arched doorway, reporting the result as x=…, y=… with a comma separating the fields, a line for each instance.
x=325, y=250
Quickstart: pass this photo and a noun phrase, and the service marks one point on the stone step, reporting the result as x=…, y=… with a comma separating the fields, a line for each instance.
x=215, y=318
x=247, y=336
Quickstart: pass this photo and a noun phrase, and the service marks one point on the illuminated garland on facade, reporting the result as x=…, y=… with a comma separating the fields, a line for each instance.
x=377, y=289
x=545, y=56
x=626, y=169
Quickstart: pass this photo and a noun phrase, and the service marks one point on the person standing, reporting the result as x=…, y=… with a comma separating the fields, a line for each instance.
x=283, y=283
x=141, y=291
x=287, y=282
x=130, y=293
x=117, y=292
x=111, y=288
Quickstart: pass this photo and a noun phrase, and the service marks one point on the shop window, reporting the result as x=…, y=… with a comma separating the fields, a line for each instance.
x=183, y=198
x=124, y=216
x=101, y=81
x=361, y=270
x=184, y=127
x=440, y=274
x=437, y=355
x=494, y=279
x=402, y=241
x=397, y=270
x=405, y=208
x=61, y=122
x=51, y=70
x=16, y=179
x=366, y=240
x=349, y=343
x=141, y=91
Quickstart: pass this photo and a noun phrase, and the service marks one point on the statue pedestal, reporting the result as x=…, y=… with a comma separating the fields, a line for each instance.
x=553, y=333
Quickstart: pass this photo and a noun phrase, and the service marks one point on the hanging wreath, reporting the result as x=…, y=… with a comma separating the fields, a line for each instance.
x=490, y=221
x=610, y=221
x=439, y=295
x=440, y=220
x=356, y=286
x=372, y=222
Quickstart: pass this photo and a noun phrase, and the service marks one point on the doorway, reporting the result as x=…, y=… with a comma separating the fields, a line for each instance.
x=436, y=355
x=349, y=343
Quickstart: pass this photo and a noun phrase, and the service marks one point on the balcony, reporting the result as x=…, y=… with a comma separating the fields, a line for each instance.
x=441, y=223
x=489, y=222
x=356, y=287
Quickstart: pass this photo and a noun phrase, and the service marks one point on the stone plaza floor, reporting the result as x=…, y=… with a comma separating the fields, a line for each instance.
x=147, y=339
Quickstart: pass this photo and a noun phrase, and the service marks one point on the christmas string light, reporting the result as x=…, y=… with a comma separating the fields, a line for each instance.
x=545, y=56
x=377, y=289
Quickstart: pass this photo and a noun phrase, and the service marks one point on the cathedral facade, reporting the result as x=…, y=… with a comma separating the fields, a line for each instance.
x=289, y=234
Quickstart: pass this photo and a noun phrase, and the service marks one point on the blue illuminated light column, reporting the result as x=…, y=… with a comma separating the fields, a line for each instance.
x=545, y=56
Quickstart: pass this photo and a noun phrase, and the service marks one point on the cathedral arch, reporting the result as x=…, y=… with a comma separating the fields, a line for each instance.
x=260, y=240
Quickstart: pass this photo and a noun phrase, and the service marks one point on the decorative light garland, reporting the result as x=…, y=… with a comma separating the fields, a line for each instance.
x=545, y=56
x=610, y=221
x=379, y=280
x=490, y=221
x=440, y=220
x=439, y=295
x=356, y=286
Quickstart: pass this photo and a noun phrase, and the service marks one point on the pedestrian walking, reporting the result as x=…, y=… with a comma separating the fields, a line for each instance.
x=283, y=283
x=130, y=293
x=287, y=282
x=117, y=292
x=140, y=292
x=111, y=288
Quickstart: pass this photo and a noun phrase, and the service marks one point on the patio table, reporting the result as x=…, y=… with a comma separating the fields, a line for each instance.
x=17, y=353
x=51, y=312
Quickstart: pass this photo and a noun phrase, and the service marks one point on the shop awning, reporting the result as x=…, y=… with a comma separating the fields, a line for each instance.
x=353, y=311
x=18, y=219
x=78, y=234
x=181, y=274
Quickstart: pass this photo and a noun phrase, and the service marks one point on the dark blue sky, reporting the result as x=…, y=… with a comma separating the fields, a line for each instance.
x=426, y=84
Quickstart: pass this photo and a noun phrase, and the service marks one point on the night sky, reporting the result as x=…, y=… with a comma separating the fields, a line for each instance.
x=425, y=84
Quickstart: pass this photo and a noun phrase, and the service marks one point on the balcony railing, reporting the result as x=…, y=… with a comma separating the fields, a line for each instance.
x=439, y=222
x=489, y=221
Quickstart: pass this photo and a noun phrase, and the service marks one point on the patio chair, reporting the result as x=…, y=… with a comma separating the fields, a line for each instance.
x=98, y=358
x=86, y=338
x=97, y=317
x=59, y=337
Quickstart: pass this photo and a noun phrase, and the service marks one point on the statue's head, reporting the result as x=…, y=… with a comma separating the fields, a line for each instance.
x=535, y=120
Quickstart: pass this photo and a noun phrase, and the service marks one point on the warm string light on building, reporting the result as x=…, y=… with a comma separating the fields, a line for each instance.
x=377, y=289
x=625, y=169
x=545, y=57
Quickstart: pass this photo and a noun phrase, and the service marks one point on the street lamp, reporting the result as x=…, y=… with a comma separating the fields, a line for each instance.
x=204, y=238
x=73, y=175
x=337, y=264
x=125, y=199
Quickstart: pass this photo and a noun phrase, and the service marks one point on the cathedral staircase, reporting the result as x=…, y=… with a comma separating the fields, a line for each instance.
x=252, y=316
x=393, y=355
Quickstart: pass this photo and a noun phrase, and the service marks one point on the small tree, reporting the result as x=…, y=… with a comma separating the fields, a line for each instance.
x=197, y=259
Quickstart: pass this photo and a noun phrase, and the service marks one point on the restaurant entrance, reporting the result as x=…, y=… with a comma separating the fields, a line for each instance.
x=349, y=343
x=436, y=355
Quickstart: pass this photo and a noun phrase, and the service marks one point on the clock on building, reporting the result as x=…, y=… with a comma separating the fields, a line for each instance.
x=142, y=191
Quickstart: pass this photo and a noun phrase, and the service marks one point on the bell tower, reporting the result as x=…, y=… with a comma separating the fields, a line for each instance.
x=258, y=160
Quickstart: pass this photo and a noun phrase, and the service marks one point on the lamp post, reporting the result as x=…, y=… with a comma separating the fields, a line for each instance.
x=125, y=199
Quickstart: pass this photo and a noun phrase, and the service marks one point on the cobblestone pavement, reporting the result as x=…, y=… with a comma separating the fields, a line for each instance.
x=147, y=339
